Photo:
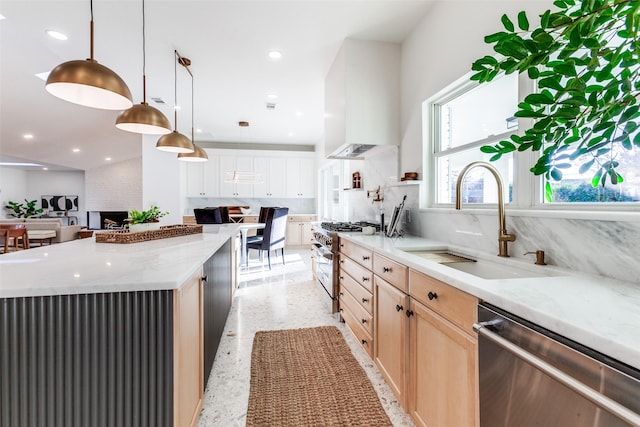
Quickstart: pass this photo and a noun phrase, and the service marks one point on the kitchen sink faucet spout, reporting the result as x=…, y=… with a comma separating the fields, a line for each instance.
x=503, y=236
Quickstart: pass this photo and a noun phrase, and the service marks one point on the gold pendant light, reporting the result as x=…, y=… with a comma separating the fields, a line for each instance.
x=85, y=82
x=143, y=118
x=198, y=155
x=175, y=142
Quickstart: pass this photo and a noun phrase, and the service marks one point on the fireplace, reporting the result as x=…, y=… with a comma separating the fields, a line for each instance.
x=96, y=219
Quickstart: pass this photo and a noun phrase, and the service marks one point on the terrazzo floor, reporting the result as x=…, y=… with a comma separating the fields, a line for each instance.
x=286, y=297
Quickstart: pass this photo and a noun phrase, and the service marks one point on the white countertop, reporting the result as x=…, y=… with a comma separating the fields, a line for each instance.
x=84, y=266
x=600, y=313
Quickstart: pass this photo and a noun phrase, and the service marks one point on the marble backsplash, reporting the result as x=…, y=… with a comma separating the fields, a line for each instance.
x=605, y=248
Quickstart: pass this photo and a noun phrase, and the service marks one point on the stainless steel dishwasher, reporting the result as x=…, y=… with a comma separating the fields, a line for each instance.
x=530, y=376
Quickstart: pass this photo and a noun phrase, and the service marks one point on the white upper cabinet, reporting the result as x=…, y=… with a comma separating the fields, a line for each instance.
x=202, y=178
x=272, y=179
x=362, y=96
x=242, y=167
x=301, y=173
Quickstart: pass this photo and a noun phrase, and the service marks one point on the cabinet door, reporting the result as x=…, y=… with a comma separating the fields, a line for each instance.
x=307, y=233
x=391, y=335
x=244, y=164
x=228, y=166
x=225, y=173
x=261, y=166
x=188, y=352
x=294, y=236
x=300, y=177
x=195, y=179
x=307, y=178
x=443, y=371
x=210, y=176
x=277, y=177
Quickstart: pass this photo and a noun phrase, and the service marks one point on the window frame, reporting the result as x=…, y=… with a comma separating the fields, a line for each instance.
x=528, y=189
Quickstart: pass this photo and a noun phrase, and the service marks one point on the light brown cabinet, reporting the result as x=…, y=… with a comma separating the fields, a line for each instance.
x=391, y=336
x=356, y=293
x=443, y=390
x=298, y=232
x=422, y=339
x=188, y=347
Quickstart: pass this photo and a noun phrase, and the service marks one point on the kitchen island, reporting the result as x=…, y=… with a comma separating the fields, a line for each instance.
x=107, y=334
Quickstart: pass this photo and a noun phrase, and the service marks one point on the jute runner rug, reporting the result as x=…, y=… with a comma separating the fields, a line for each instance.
x=308, y=377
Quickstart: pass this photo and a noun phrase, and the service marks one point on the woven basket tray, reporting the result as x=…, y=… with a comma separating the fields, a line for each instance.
x=125, y=236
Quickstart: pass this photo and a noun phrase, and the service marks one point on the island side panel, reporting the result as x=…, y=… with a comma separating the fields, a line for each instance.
x=88, y=359
x=217, y=298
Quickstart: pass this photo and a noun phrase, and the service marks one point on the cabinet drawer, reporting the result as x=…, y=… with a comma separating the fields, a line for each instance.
x=349, y=302
x=301, y=218
x=365, y=340
x=455, y=305
x=251, y=219
x=364, y=297
x=391, y=271
x=357, y=253
x=361, y=275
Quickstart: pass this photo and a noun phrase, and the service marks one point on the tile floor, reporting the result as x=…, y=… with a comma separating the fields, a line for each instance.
x=285, y=297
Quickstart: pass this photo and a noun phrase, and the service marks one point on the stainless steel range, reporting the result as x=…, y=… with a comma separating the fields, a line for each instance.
x=325, y=252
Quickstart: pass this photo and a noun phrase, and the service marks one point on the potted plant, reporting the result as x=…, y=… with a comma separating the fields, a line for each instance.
x=145, y=220
x=23, y=210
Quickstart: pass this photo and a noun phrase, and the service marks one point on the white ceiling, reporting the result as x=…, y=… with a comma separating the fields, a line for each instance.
x=227, y=42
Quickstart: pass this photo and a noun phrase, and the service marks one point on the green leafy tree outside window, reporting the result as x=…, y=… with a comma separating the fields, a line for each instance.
x=585, y=59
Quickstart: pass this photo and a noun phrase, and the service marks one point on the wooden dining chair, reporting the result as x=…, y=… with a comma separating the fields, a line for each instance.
x=13, y=233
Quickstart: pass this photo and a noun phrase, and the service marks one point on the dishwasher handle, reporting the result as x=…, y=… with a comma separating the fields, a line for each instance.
x=582, y=389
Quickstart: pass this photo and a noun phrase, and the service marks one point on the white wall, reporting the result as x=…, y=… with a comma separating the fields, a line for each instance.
x=13, y=187
x=161, y=181
x=440, y=50
x=114, y=187
x=17, y=185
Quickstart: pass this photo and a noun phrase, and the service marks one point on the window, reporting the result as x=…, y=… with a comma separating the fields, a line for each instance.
x=465, y=116
x=461, y=119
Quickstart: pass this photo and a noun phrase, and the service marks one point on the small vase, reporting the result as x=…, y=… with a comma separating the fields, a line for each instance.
x=144, y=226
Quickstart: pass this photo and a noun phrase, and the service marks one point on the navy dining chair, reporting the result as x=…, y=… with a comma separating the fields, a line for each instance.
x=273, y=236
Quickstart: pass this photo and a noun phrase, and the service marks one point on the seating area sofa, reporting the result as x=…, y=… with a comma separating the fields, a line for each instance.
x=64, y=233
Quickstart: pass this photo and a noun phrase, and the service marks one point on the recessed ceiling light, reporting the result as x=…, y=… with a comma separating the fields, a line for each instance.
x=76, y=150
x=108, y=159
x=27, y=136
x=291, y=134
x=56, y=35
x=2, y=17
x=299, y=113
x=274, y=54
x=272, y=96
x=45, y=169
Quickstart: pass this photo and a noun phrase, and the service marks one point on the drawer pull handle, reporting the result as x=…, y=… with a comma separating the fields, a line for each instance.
x=364, y=342
x=409, y=313
x=365, y=299
x=386, y=269
x=365, y=279
x=341, y=277
x=398, y=307
x=364, y=258
x=432, y=296
x=342, y=245
x=364, y=321
x=341, y=294
x=204, y=278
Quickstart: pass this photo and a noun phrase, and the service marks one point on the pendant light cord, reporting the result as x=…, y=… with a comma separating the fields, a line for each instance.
x=175, y=92
x=144, y=59
x=193, y=140
x=91, y=31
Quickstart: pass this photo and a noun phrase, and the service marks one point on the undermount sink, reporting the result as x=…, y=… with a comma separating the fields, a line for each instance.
x=484, y=269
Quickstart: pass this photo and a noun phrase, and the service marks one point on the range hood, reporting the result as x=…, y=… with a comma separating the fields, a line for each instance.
x=351, y=151
x=362, y=99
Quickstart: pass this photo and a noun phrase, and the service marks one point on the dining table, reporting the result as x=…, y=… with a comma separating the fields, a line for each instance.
x=244, y=229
